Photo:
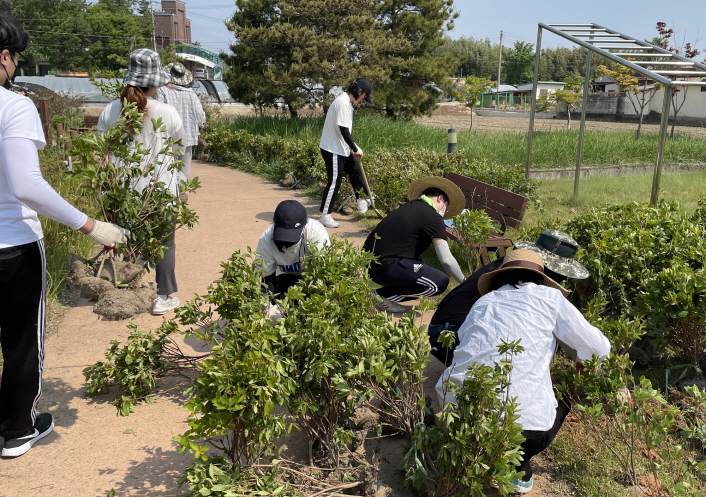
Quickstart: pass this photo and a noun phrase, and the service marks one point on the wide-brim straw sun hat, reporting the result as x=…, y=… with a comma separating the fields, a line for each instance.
x=557, y=250
x=519, y=259
x=457, y=200
x=145, y=70
x=180, y=75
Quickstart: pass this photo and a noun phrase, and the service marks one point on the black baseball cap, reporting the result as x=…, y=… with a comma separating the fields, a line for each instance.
x=290, y=219
x=366, y=86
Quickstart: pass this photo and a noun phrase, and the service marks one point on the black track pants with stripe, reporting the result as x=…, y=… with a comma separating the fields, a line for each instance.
x=336, y=165
x=22, y=324
x=408, y=279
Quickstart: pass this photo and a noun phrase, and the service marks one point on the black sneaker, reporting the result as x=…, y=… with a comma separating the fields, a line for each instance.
x=43, y=426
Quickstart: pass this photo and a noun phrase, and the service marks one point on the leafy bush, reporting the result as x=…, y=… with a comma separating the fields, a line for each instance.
x=109, y=166
x=473, y=227
x=674, y=303
x=638, y=429
x=135, y=368
x=478, y=442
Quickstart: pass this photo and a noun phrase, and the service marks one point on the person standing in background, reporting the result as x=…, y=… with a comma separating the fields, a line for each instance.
x=178, y=94
x=336, y=145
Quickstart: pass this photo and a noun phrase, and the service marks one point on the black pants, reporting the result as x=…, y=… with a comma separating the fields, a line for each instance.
x=444, y=354
x=22, y=320
x=408, y=279
x=336, y=165
x=537, y=441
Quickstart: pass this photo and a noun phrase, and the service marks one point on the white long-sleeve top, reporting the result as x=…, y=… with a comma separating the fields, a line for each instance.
x=23, y=190
x=152, y=140
x=537, y=315
x=291, y=260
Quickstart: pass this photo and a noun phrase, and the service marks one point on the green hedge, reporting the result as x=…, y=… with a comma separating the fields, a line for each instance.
x=389, y=171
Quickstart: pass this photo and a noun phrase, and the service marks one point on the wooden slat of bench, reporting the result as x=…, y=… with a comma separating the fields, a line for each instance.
x=502, y=214
x=507, y=198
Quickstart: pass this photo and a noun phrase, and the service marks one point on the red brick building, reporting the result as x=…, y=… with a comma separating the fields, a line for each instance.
x=171, y=24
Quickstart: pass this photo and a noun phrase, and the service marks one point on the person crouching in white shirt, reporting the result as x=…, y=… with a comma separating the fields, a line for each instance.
x=285, y=245
x=520, y=302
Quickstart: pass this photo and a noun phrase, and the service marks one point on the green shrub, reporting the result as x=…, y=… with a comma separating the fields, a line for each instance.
x=109, y=165
x=477, y=444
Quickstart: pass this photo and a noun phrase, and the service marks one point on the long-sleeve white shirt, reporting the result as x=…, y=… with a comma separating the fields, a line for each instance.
x=537, y=315
x=23, y=190
x=290, y=261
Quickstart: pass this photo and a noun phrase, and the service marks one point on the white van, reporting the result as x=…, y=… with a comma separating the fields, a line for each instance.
x=200, y=73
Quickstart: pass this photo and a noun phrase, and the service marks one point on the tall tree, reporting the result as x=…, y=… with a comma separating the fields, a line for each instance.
x=518, y=63
x=297, y=50
x=73, y=35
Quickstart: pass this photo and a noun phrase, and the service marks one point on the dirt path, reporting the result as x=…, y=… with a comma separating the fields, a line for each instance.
x=92, y=450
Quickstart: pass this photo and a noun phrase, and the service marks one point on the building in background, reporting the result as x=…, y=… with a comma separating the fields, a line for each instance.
x=171, y=24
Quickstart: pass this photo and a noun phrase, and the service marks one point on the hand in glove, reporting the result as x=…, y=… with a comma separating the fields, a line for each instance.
x=359, y=153
x=107, y=234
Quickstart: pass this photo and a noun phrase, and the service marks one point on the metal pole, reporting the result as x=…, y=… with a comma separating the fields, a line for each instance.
x=660, y=144
x=586, y=89
x=500, y=59
x=533, y=99
x=452, y=141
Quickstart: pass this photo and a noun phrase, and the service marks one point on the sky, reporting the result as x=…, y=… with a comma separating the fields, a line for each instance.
x=517, y=19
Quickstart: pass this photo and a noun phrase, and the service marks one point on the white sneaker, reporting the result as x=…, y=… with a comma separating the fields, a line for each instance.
x=163, y=306
x=363, y=205
x=383, y=304
x=328, y=221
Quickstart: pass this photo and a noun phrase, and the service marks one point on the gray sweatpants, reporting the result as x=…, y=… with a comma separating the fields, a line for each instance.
x=165, y=270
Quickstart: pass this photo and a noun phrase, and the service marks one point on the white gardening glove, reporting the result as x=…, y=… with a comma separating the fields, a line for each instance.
x=274, y=313
x=108, y=234
x=359, y=153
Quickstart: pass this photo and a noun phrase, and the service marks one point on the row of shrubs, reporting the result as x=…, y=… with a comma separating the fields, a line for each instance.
x=389, y=171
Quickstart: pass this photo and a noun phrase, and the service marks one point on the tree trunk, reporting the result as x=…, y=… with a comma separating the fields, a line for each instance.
x=568, y=117
x=639, y=128
x=471, y=128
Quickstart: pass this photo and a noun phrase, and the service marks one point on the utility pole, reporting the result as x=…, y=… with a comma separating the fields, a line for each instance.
x=154, y=28
x=500, y=60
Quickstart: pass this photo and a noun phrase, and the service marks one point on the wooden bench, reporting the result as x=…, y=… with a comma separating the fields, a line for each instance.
x=90, y=121
x=503, y=206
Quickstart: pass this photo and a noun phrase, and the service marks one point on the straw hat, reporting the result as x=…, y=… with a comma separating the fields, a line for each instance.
x=557, y=250
x=519, y=259
x=457, y=200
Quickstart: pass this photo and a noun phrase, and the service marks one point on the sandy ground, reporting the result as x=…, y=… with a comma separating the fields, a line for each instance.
x=92, y=450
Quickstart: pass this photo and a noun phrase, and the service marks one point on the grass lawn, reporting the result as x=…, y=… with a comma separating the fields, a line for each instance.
x=557, y=202
x=555, y=149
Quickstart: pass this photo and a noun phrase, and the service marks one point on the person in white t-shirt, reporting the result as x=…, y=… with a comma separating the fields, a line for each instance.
x=23, y=194
x=340, y=151
x=142, y=79
x=284, y=246
x=520, y=302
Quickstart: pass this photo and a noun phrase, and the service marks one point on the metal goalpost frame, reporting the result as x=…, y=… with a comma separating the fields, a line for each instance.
x=616, y=47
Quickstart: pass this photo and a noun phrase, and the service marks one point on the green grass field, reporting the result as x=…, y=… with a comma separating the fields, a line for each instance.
x=556, y=149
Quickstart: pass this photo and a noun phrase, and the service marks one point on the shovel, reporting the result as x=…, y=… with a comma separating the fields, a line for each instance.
x=359, y=163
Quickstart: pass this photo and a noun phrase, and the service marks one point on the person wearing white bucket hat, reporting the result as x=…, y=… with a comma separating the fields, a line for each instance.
x=521, y=303
x=142, y=79
x=179, y=94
